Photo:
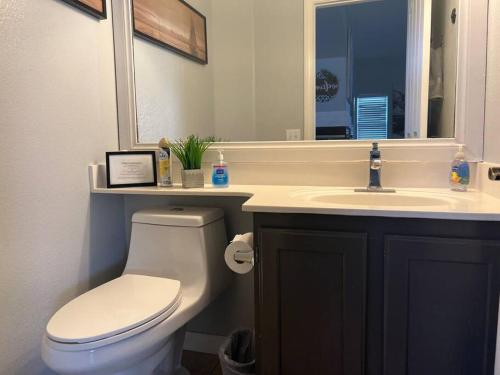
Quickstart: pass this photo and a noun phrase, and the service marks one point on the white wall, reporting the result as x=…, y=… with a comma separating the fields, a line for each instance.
x=174, y=94
x=257, y=55
x=279, y=68
x=251, y=89
x=57, y=114
x=232, y=59
x=492, y=135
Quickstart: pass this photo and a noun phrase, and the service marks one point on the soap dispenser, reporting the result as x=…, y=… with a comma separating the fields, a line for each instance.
x=220, y=177
x=460, y=172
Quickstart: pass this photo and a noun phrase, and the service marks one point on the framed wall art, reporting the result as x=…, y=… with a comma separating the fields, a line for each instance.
x=96, y=8
x=173, y=24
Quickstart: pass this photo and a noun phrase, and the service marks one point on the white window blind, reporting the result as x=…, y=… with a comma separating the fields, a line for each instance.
x=372, y=114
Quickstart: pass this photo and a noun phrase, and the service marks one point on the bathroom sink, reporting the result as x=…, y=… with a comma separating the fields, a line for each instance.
x=412, y=199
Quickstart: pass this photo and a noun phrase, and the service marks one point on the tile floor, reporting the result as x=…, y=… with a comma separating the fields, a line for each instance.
x=201, y=363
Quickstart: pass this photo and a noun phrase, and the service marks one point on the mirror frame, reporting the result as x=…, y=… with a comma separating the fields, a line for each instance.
x=470, y=98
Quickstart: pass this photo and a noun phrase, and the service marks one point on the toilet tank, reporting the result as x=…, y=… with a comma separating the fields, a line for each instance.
x=181, y=243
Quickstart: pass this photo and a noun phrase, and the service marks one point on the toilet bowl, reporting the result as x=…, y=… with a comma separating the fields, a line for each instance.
x=135, y=324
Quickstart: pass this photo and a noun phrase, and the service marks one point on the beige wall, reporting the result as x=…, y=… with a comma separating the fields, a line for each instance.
x=174, y=94
x=492, y=135
x=232, y=59
x=279, y=68
x=252, y=88
x=57, y=114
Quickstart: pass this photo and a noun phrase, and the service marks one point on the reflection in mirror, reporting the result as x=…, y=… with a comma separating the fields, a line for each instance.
x=361, y=70
x=443, y=69
x=253, y=86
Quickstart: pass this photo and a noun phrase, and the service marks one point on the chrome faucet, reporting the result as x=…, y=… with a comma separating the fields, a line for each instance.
x=375, y=168
x=375, y=183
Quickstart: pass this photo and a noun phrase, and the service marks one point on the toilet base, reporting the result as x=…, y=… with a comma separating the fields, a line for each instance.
x=180, y=371
x=166, y=361
x=171, y=362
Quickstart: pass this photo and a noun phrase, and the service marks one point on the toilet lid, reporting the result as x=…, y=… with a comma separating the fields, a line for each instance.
x=115, y=307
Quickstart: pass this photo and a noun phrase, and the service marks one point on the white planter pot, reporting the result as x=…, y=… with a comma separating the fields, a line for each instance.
x=193, y=178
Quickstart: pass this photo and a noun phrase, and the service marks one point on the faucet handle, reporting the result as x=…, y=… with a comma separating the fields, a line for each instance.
x=376, y=164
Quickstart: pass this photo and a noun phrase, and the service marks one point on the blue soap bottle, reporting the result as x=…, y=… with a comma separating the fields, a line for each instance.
x=220, y=177
x=460, y=172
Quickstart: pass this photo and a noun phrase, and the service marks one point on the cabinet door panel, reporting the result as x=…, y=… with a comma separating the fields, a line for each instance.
x=311, y=302
x=441, y=306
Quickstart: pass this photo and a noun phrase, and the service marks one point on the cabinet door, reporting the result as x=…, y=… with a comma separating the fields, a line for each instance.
x=310, y=302
x=441, y=306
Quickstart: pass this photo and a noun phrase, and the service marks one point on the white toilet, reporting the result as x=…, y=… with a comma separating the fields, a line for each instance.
x=135, y=324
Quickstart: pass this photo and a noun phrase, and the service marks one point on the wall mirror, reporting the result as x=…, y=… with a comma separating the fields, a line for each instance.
x=295, y=70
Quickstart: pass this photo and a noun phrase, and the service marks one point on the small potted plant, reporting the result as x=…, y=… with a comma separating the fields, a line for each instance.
x=190, y=152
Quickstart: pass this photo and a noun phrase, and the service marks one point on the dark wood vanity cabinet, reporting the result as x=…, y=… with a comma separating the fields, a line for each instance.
x=358, y=295
x=312, y=298
x=441, y=305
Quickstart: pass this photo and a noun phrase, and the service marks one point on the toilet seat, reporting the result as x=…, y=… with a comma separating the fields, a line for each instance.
x=121, y=308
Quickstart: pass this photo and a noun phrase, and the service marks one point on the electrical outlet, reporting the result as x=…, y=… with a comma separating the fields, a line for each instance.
x=293, y=135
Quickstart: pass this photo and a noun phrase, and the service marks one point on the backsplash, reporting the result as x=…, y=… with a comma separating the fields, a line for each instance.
x=404, y=165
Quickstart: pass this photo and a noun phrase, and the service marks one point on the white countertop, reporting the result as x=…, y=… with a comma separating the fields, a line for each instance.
x=472, y=205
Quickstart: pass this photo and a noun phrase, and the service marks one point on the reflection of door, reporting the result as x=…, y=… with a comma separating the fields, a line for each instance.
x=415, y=80
x=417, y=68
x=443, y=67
x=331, y=92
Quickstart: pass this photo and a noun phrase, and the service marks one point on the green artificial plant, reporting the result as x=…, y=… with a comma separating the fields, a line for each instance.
x=190, y=151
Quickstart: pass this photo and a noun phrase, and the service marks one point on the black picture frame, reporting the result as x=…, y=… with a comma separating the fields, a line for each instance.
x=144, y=184
x=88, y=9
x=160, y=43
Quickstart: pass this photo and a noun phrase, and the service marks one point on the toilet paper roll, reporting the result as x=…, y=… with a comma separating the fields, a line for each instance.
x=241, y=247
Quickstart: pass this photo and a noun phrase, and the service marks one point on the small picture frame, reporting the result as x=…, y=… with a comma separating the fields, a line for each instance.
x=130, y=169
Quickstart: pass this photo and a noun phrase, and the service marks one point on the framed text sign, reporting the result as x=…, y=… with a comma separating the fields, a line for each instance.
x=130, y=168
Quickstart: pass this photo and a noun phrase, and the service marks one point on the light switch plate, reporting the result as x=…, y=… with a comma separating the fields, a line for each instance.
x=293, y=135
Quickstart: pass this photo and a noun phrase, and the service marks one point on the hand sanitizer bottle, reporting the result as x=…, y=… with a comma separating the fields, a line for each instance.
x=460, y=172
x=220, y=177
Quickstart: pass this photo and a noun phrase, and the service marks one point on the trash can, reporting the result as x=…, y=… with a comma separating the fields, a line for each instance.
x=237, y=354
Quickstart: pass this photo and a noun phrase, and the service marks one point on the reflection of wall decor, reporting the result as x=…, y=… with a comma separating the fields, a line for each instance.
x=96, y=8
x=173, y=24
x=327, y=86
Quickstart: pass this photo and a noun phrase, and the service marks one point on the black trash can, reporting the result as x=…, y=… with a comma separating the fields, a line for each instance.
x=237, y=354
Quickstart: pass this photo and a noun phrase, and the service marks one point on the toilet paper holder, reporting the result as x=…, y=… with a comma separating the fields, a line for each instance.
x=494, y=174
x=243, y=257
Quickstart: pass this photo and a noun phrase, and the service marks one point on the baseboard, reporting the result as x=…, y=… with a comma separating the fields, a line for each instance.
x=202, y=342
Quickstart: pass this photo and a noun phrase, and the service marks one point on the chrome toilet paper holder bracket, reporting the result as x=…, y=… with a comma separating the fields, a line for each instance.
x=243, y=257
x=494, y=174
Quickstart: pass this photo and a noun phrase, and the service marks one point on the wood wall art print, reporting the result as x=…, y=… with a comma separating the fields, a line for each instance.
x=96, y=8
x=173, y=24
